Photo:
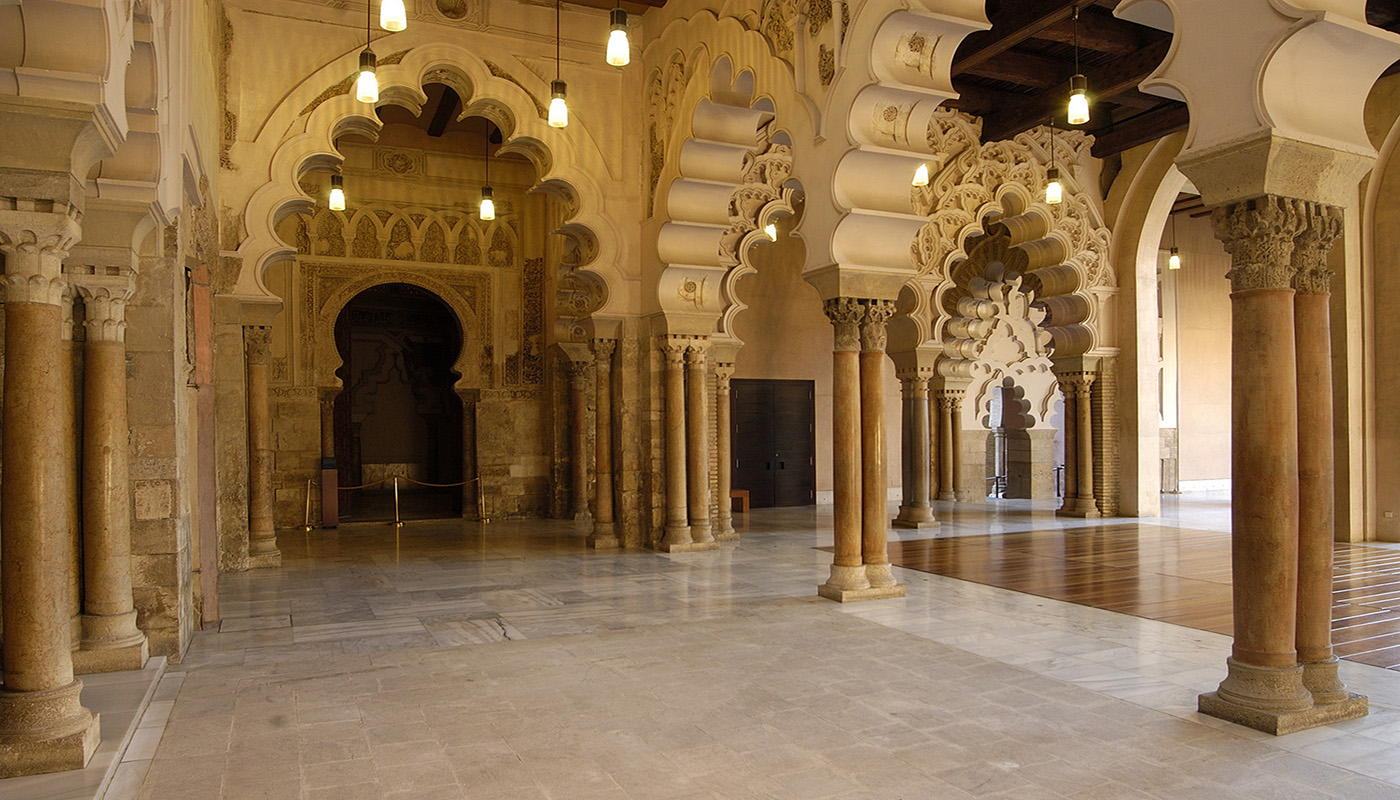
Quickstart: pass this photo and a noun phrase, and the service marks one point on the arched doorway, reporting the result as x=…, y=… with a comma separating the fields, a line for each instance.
x=398, y=414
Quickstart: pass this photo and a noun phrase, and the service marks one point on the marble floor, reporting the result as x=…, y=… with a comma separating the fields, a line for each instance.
x=451, y=659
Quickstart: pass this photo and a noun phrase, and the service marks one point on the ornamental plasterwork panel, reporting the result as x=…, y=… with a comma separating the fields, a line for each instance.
x=916, y=50
x=776, y=20
x=466, y=13
x=400, y=162
x=664, y=91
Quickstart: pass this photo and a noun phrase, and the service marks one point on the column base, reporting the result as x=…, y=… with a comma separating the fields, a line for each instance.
x=603, y=537
x=1325, y=684
x=676, y=536
x=915, y=517
x=948, y=497
x=702, y=533
x=687, y=547
x=846, y=579
x=1268, y=699
x=727, y=534
x=857, y=595
x=1280, y=723
x=111, y=659
x=265, y=560
x=911, y=525
x=47, y=731
x=582, y=516
x=1078, y=507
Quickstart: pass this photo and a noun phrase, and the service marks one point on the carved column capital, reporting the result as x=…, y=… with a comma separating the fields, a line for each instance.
x=695, y=352
x=723, y=372
x=69, y=295
x=1075, y=383
x=674, y=348
x=603, y=349
x=577, y=369
x=1258, y=234
x=257, y=344
x=845, y=314
x=1322, y=224
x=873, y=334
x=105, y=307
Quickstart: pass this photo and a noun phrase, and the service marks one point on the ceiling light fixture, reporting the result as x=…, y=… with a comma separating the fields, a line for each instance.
x=772, y=231
x=336, y=202
x=1078, y=84
x=488, y=205
x=921, y=175
x=1054, y=190
x=619, y=49
x=392, y=16
x=558, y=108
x=1174, y=258
x=367, y=87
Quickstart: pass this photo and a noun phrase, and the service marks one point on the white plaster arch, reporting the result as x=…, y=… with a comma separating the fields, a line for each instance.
x=570, y=161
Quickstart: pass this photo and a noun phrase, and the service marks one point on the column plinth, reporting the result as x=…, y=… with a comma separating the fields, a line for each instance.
x=43, y=725
x=915, y=511
x=262, y=536
x=604, y=534
x=111, y=641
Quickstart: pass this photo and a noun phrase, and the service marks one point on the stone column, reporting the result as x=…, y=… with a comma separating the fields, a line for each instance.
x=677, y=518
x=71, y=434
x=1316, y=515
x=697, y=442
x=330, y=472
x=1079, y=446
x=848, y=580
x=949, y=439
x=724, y=455
x=578, y=440
x=43, y=726
x=935, y=447
x=111, y=641
x=1264, y=688
x=874, y=482
x=914, y=512
x=262, y=537
x=603, y=535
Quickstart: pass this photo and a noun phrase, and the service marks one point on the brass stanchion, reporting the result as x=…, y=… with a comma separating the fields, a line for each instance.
x=306, y=524
x=398, y=523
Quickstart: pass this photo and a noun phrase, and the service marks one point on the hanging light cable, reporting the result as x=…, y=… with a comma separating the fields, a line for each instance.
x=392, y=16
x=558, y=108
x=1174, y=258
x=1078, y=84
x=367, y=87
x=488, y=205
x=336, y=201
x=1054, y=190
x=619, y=49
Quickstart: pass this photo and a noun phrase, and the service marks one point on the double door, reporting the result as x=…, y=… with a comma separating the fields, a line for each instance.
x=774, y=441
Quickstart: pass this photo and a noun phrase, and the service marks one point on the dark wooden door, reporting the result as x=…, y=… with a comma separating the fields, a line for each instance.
x=774, y=441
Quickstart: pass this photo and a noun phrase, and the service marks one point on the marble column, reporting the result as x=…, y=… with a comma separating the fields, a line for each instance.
x=677, y=535
x=697, y=442
x=1264, y=688
x=848, y=580
x=111, y=640
x=72, y=433
x=330, y=472
x=604, y=535
x=43, y=725
x=262, y=536
x=949, y=439
x=874, y=481
x=578, y=440
x=1079, y=498
x=935, y=447
x=1316, y=514
x=724, y=454
x=915, y=512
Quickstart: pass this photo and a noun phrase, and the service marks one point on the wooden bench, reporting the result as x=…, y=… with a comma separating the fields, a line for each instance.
x=742, y=495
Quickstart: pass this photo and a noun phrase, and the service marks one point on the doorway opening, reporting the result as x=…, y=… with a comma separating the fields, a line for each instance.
x=775, y=444
x=398, y=415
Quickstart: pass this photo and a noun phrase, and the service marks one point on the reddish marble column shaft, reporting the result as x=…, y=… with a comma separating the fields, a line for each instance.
x=71, y=435
x=1070, y=435
x=578, y=440
x=604, y=535
x=947, y=462
x=677, y=518
x=914, y=511
x=847, y=571
x=1084, y=447
x=874, y=482
x=697, y=446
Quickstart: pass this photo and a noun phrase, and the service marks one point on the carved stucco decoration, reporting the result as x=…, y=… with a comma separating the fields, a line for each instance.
x=415, y=233
x=664, y=91
x=344, y=86
x=776, y=20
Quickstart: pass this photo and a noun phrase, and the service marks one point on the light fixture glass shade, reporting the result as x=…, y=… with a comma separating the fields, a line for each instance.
x=619, y=50
x=1174, y=260
x=772, y=231
x=1054, y=190
x=488, y=206
x=921, y=175
x=392, y=16
x=1078, y=100
x=336, y=202
x=367, y=87
x=558, y=108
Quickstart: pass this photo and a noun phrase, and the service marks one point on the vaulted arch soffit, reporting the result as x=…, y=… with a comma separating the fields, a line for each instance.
x=299, y=138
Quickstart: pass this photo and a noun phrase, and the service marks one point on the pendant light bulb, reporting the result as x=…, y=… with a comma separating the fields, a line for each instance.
x=367, y=87
x=619, y=49
x=488, y=205
x=392, y=16
x=1174, y=260
x=336, y=202
x=1078, y=100
x=772, y=231
x=558, y=108
x=921, y=175
x=1054, y=190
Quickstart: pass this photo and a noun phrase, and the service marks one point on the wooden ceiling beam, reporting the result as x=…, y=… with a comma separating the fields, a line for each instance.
x=1022, y=69
x=1021, y=20
x=1141, y=129
x=1101, y=33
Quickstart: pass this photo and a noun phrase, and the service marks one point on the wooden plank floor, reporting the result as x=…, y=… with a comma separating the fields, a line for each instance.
x=1175, y=575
